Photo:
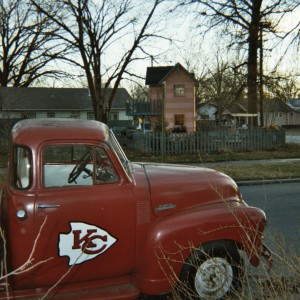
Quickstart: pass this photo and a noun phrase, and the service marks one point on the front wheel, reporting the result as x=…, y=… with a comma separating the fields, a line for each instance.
x=211, y=272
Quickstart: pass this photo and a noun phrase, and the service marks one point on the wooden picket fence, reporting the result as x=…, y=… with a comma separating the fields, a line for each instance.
x=168, y=143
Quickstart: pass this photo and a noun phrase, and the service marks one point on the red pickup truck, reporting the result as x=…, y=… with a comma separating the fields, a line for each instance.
x=79, y=220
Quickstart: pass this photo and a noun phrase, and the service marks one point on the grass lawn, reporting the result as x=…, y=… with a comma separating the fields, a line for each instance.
x=238, y=172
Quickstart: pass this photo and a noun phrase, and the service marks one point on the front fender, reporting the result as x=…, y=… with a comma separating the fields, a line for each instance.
x=171, y=240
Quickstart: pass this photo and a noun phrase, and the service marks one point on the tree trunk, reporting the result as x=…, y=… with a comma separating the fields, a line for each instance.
x=252, y=60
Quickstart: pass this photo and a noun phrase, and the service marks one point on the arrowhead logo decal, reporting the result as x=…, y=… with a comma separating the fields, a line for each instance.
x=84, y=242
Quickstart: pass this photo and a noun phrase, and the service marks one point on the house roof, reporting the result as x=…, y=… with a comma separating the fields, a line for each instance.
x=19, y=98
x=276, y=105
x=157, y=75
x=234, y=108
x=270, y=106
x=294, y=103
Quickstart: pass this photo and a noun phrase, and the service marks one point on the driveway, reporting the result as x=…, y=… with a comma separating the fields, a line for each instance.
x=292, y=138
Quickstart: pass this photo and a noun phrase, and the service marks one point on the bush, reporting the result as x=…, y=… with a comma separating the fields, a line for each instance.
x=180, y=129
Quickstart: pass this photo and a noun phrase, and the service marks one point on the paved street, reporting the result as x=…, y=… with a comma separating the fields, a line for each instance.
x=282, y=207
x=281, y=203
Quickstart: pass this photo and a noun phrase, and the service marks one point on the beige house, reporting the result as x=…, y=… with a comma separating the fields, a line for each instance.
x=175, y=87
x=280, y=113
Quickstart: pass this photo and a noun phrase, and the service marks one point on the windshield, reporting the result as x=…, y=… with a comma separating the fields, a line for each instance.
x=124, y=160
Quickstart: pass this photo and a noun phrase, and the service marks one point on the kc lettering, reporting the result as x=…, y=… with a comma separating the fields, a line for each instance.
x=87, y=243
x=84, y=242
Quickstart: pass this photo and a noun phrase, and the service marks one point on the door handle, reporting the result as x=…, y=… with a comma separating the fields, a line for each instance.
x=43, y=206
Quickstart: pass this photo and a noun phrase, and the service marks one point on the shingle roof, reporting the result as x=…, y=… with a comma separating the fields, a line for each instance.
x=294, y=103
x=276, y=105
x=18, y=98
x=156, y=75
x=237, y=108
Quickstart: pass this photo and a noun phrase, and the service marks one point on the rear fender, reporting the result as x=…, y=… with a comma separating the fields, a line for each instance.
x=171, y=240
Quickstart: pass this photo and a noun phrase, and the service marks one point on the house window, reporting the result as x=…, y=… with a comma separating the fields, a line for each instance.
x=75, y=115
x=179, y=90
x=179, y=120
x=28, y=115
x=51, y=115
x=90, y=116
x=114, y=116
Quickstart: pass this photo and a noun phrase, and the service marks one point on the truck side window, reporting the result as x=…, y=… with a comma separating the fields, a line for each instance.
x=105, y=171
x=22, y=168
x=67, y=165
x=73, y=165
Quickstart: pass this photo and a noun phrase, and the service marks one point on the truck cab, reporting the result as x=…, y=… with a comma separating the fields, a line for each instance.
x=79, y=220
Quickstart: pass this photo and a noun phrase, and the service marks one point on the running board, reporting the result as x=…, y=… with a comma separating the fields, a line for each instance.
x=114, y=292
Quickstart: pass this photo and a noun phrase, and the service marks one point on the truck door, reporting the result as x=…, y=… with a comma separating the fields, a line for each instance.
x=84, y=216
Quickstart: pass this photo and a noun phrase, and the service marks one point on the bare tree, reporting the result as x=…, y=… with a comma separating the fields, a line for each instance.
x=26, y=44
x=98, y=31
x=139, y=92
x=242, y=21
x=282, y=86
x=222, y=85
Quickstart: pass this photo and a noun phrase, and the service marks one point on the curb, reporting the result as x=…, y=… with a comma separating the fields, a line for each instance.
x=267, y=181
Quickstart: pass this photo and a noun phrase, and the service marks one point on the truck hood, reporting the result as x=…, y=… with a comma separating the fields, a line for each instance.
x=177, y=187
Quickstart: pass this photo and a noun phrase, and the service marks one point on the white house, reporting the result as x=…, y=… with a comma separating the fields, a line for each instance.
x=276, y=112
x=207, y=111
x=21, y=103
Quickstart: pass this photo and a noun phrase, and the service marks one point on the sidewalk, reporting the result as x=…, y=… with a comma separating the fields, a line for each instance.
x=254, y=162
x=248, y=162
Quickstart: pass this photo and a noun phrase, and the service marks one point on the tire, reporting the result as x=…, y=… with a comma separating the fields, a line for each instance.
x=214, y=271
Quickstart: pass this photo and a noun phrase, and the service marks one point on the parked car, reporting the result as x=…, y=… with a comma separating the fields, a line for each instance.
x=79, y=220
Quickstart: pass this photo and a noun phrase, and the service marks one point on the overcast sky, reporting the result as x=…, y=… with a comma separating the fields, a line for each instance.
x=193, y=54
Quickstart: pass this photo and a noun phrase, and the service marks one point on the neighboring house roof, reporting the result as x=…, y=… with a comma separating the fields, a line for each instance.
x=276, y=105
x=157, y=75
x=270, y=106
x=232, y=109
x=204, y=104
x=294, y=103
x=237, y=108
x=19, y=98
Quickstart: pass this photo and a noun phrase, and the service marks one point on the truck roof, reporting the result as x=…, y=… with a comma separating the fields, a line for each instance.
x=35, y=131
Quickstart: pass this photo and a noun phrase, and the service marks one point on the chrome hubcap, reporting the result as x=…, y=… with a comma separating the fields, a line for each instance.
x=213, y=278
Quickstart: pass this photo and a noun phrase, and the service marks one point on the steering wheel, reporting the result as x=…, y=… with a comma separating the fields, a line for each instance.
x=80, y=167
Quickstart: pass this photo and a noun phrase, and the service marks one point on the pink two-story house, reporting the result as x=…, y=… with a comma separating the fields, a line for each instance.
x=175, y=87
